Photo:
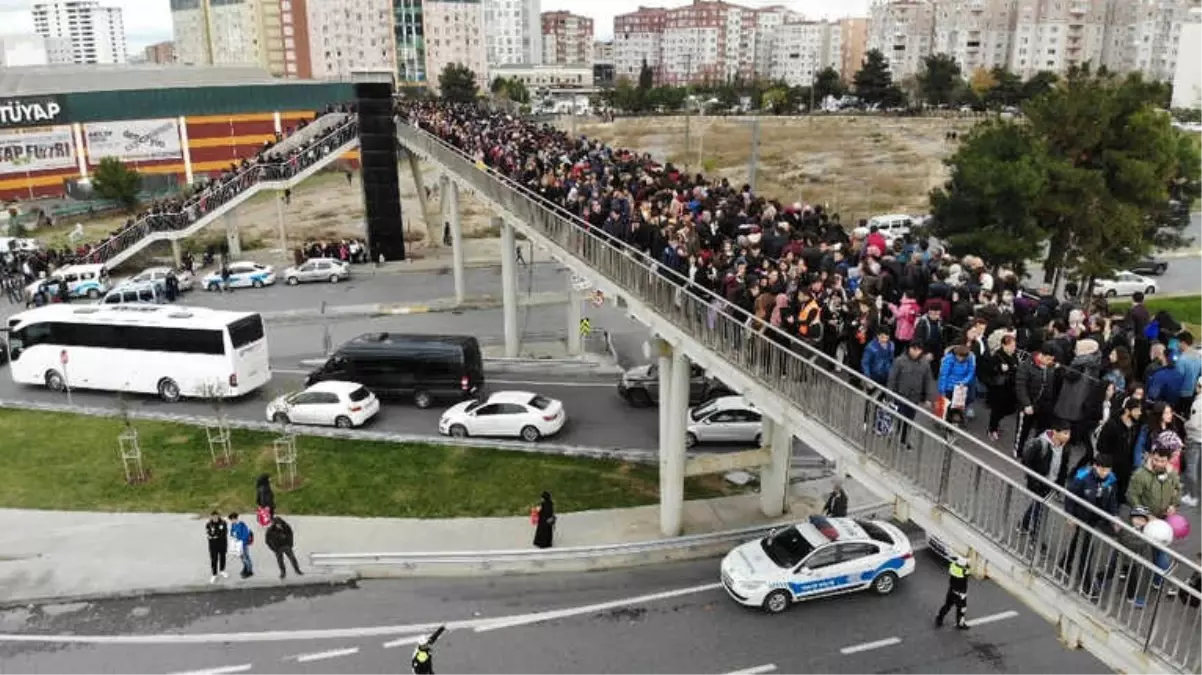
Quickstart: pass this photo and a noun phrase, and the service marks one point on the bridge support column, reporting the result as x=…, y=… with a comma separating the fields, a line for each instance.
x=509, y=286
x=233, y=238
x=452, y=216
x=774, y=476
x=177, y=254
x=673, y=408
x=575, y=338
x=281, y=230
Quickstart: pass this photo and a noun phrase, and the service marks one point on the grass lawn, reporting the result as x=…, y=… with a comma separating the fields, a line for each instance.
x=71, y=462
x=1186, y=308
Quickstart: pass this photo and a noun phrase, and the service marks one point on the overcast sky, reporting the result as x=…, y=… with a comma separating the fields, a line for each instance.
x=149, y=21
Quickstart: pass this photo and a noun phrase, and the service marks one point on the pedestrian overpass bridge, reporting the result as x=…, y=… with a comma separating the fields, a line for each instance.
x=939, y=479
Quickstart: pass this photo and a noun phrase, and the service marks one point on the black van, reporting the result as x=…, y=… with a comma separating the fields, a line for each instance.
x=426, y=367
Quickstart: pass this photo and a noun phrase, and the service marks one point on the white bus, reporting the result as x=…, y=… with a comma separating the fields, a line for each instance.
x=152, y=349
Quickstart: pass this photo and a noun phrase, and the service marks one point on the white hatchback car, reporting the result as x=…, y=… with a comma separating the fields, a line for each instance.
x=726, y=419
x=158, y=276
x=330, y=403
x=519, y=414
x=1125, y=283
x=817, y=558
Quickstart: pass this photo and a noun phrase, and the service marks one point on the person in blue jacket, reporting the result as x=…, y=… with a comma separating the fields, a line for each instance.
x=240, y=531
x=878, y=358
x=1166, y=382
x=958, y=368
x=1097, y=486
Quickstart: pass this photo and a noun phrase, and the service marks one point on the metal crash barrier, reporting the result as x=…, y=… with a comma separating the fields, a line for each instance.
x=1131, y=599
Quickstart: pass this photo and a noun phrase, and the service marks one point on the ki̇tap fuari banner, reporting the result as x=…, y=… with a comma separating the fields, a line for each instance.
x=32, y=150
x=133, y=140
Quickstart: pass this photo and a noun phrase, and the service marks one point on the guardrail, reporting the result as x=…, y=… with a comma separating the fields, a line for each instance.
x=567, y=559
x=993, y=507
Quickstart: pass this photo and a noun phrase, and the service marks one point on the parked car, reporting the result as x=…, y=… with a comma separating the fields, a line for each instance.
x=1150, y=265
x=1124, y=283
x=158, y=276
x=143, y=292
x=518, y=414
x=318, y=269
x=90, y=281
x=245, y=274
x=640, y=386
x=728, y=419
x=329, y=403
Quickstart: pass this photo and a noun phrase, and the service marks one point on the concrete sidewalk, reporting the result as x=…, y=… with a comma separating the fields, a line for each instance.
x=72, y=556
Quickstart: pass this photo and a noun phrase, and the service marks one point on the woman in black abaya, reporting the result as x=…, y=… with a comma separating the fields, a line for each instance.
x=544, y=530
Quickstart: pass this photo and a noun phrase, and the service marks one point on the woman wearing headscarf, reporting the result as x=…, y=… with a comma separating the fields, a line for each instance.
x=544, y=529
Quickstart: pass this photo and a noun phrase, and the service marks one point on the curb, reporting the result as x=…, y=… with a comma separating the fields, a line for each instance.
x=324, y=578
x=369, y=310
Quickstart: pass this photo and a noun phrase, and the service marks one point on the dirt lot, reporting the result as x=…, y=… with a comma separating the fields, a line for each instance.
x=324, y=207
x=859, y=166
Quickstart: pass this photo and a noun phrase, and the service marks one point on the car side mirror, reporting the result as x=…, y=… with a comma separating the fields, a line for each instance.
x=802, y=570
x=706, y=421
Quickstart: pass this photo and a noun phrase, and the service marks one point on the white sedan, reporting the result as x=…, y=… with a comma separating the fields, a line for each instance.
x=1125, y=283
x=330, y=403
x=318, y=269
x=817, y=558
x=158, y=276
x=242, y=275
x=519, y=414
x=726, y=419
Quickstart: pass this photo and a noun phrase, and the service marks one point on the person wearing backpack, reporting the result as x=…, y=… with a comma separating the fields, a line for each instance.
x=240, y=532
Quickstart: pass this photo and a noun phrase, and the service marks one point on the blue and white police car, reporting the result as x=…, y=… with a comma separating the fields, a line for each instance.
x=817, y=558
x=242, y=275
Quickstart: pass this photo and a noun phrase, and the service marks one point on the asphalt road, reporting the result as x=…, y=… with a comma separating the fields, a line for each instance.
x=627, y=621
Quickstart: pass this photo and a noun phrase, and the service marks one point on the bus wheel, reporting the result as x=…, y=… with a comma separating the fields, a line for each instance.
x=168, y=390
x=54, y=381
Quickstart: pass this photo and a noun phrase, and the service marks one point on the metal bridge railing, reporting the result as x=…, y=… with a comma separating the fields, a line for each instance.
x=983, y=498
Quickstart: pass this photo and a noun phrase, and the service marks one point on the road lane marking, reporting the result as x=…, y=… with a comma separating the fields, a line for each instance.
x=1000, y=616
x=220, y=671
x=404, y=641
x=322, y=656
x=539, y=617
x=757, y=670
x=348, y=633
x=869, y=646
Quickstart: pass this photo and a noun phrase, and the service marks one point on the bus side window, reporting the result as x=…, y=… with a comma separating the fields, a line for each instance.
x=113, y=299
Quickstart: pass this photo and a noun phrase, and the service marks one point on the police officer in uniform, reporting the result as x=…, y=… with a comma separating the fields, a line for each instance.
x=957, y=593
x=423, y=656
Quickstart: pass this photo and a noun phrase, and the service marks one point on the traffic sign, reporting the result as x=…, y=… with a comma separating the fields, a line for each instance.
x=598, y=298
x=62, y=357
x=586, y=327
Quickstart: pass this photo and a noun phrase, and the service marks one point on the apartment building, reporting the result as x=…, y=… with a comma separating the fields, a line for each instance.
x=976, y=33
x=92, y=33
x=514, y=32
x=903, y=31
x=218, y=33
x=159, y=52
x=853, y=44
x=767, y=20
x=638, y=39
x=1145, y=35
x=800, y=50
x=1187, y=75
x=346, y=36
x=603, y=52
x=1057, y=34
x=455, y=33
x=567, y=39
x=408, y=30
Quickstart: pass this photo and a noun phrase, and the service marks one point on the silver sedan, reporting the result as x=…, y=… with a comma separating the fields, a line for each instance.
x=318, y=269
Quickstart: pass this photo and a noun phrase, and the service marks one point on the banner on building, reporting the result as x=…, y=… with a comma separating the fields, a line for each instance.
x=30, y=150
x=133, y=141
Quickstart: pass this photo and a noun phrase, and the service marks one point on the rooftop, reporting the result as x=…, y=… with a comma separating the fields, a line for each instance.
x=71, y=79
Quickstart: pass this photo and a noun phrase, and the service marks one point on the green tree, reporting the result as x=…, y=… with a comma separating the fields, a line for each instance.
x=988, y=205
x=1007, y=89
x=940, y=79
x=457, y=83
x=113, y=180
x=776, y=100
x=874, y=83
x=498, y=86
x=1116, y=162
x=1039, y=84
x=827, y=83
x=646, y=77
x=516, y=90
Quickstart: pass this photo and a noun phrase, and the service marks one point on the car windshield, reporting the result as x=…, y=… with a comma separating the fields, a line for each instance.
x=701, y=411
x=786, y=547
x=473, y=405
x=540, y=402
x=359, y=394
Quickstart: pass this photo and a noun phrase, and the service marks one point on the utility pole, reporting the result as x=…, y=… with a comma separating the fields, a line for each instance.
x=688, y=69
x=755, y=152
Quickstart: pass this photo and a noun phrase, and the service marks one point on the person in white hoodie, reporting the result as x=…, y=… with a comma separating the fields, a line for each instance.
x=1192, y=453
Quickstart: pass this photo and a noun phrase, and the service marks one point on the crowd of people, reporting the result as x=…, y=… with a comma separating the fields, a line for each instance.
x=951, y=334
x=179, y=211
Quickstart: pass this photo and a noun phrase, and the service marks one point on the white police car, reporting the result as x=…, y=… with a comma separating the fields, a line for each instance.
x=817, y=558
x=242, y=275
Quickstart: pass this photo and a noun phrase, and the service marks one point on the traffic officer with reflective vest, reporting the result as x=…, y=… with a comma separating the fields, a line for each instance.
x=423, y=656
x=957, y=593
